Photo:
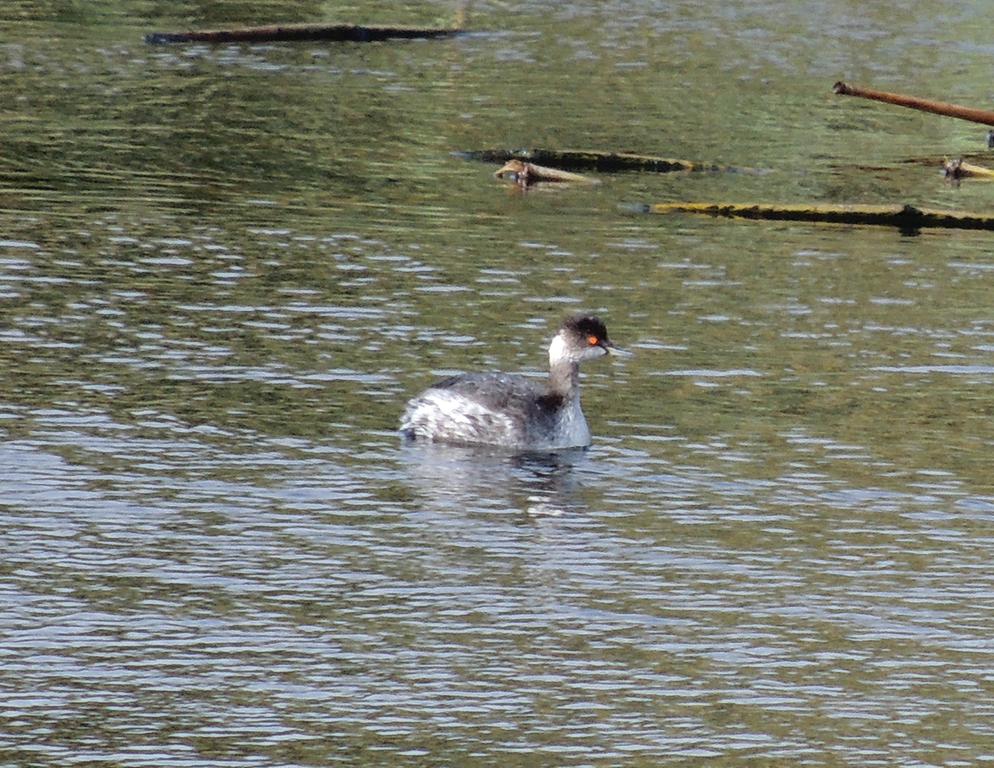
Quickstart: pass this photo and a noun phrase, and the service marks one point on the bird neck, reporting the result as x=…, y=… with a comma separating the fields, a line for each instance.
x=564, y=379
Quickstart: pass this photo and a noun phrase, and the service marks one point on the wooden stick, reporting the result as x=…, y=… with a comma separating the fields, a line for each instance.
x=906, y=217
x=525, y=174
x=986, y=117
x=296, y=32
x=960, y=169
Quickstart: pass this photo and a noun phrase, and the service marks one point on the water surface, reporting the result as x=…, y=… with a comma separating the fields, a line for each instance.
x=224, y=269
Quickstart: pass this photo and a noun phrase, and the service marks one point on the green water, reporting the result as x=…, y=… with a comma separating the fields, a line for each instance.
x=224, y=269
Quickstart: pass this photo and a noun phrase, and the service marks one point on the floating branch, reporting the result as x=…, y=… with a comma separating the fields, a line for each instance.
x=584, y=160
x=906, y=217
x=297, y=32
x=986, y=117
x=960, y=169
x=525, y=174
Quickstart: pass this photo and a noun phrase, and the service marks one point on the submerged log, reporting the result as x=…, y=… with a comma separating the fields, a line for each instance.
x=298, y=32
x=525, y=174
x=905, y=217
x=983, y=116
x=589, y=160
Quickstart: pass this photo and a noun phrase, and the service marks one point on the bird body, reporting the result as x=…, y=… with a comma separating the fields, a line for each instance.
x=511, y=410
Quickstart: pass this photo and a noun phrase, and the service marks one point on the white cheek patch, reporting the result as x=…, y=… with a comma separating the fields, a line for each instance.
x=557, y=349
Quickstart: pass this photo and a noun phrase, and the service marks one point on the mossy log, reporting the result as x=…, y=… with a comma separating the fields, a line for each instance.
x=982, y=116
x=590, y=160
x=299, y=32
x=905, y=217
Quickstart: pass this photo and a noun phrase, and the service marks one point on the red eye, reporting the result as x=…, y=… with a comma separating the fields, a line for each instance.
x=593, y=341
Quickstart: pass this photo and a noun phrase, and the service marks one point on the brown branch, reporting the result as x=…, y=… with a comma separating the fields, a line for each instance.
x=986, y=117
x=960, y=169
x=525, y=174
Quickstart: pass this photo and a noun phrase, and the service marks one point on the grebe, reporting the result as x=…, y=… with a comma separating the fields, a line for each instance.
x=509, y=410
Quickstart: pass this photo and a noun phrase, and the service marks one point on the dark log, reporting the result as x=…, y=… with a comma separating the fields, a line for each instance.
x=906, y=217
x=298, y=32
x=587, y=160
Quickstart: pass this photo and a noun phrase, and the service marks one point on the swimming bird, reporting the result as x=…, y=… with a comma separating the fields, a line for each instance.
x=510, y=410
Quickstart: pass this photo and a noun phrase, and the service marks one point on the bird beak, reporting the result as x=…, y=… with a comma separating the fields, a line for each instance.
x=611, y=349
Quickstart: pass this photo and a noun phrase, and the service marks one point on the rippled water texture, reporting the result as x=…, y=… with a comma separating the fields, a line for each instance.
x=224, y=269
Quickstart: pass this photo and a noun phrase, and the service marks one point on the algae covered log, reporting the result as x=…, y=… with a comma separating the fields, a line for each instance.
x=905, y=217
x=983, y=116
x=588, y=160
x=299, y=32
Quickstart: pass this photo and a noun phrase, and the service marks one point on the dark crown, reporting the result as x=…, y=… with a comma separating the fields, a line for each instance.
x=585, y=325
